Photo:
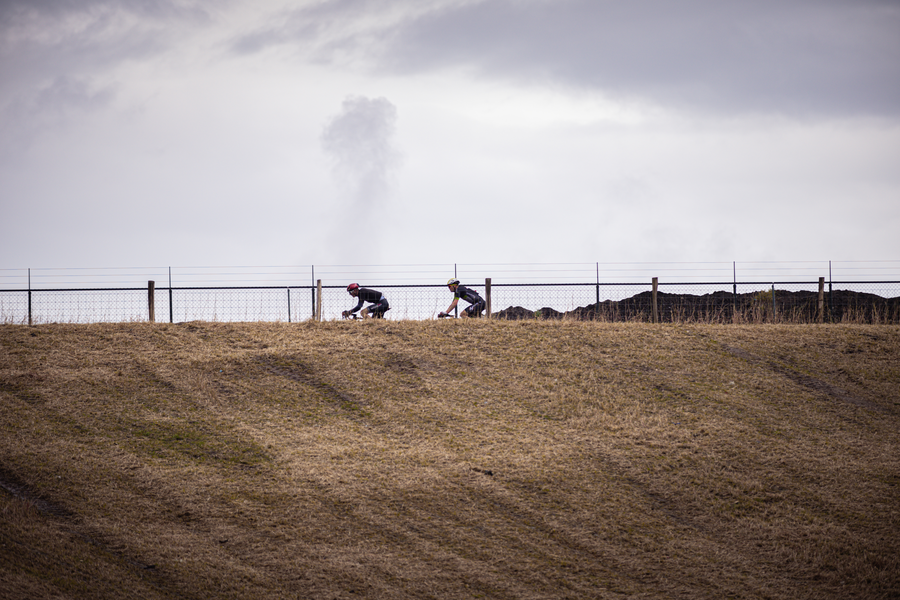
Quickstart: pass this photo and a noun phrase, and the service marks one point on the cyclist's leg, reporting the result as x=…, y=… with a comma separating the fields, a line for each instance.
x=380, y=308
x=474, y=310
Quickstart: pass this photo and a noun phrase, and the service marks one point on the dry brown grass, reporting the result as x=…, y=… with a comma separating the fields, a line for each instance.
x=457, y=459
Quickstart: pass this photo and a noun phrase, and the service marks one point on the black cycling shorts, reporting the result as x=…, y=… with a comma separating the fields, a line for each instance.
x=476, y=309
x=378, y=309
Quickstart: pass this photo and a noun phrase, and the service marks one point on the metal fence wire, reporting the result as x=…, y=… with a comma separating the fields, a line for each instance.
x=799, y=302
x=733, y=292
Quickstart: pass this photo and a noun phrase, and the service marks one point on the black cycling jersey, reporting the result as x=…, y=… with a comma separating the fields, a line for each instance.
x=367, y=295
x=469, y=295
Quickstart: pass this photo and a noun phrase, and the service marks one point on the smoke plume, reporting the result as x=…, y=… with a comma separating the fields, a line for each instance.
x=359, y=140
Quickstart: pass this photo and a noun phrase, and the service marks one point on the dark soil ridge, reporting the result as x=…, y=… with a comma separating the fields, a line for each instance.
x=798, y=307
x=812, y=383
x=11, y=485
x=303, y=374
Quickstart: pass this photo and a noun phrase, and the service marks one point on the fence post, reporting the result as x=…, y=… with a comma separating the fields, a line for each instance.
x=289, y=303
x=171, y=308
x=820, y=311
x=318, y=300
x=774, y=307
x=487, y=296
x=654, y=315
x=734, y=290
x=151, y=300
x=30, y=321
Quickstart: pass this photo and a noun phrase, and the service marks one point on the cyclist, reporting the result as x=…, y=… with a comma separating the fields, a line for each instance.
x=379, y=302
x=469, y=295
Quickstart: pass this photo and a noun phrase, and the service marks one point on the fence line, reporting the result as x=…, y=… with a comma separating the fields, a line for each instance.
x=654, y=300
x=288, y=293
x=409, y=274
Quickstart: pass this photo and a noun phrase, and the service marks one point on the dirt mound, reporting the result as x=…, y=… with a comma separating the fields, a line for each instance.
x=768, y=305
x=517, y=313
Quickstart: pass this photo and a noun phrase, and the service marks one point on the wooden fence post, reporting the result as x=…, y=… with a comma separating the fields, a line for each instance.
x=734, y=291
x=774, y=306
x=654, y=311
x=151, y=300
x=487, y=296
x=820, y=313
x=318, y=299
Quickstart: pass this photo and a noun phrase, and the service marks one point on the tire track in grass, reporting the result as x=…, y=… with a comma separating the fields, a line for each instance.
x=11, y=485
x=807, y=381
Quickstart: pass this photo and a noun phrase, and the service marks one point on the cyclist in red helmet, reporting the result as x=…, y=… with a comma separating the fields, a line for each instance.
x=379, y=302
x=467, y=294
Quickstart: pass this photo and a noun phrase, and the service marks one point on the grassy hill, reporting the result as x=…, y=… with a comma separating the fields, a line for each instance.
x=452, y=459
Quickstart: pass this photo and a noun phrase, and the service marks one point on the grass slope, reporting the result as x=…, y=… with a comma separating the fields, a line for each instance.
x=449, y=460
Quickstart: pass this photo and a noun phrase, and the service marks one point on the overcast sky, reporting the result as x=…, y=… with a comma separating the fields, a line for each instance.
x=174, y=132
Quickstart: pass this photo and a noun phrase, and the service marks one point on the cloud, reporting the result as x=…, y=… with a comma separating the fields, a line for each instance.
x=333, y=33
x=62, y=60
x=68, y=93
x=611, y=130
x=772, y=57
x=41, y=40
x=805, y=58
x=51, y=107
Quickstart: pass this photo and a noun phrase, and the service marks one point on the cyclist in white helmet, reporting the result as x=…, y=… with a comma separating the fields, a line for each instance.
x=469, y=295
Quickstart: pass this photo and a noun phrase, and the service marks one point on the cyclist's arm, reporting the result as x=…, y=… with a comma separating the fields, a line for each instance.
x=358, y=306
x=452, y=304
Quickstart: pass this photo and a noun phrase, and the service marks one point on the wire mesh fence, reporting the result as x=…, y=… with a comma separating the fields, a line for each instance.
x=239, y=304
x=577, y=290
x=14, y=307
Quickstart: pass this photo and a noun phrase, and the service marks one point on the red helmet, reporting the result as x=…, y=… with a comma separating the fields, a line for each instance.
x=352, y=286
